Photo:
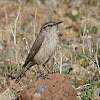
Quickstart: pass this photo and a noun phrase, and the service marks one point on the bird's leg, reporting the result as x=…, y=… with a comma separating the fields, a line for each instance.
x=41, y=75
x=46, y=68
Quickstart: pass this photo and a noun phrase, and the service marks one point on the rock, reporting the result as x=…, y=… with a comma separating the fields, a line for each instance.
x=57, y=87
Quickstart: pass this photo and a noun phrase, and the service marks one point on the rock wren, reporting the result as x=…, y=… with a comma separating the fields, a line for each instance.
x=43, y=48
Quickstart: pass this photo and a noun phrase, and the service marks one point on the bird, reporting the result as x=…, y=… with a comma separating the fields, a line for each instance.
x=42, y=49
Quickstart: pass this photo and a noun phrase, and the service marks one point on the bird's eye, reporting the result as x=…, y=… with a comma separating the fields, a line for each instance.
x=49, y=25
x=44, y=27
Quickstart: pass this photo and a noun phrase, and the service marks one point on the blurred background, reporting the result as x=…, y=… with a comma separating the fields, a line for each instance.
x=78, y=51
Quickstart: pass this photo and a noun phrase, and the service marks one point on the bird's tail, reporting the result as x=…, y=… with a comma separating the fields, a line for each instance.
x=23, y=72
x=20, y=75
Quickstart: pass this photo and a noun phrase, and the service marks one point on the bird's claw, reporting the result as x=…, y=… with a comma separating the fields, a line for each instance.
x=43, y=76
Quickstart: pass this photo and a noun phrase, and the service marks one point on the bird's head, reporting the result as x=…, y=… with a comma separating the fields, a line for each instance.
x=50, y=26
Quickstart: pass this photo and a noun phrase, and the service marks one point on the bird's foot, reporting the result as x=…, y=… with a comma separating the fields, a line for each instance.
x=49, y=72
x=43, y=76
x=52, y=72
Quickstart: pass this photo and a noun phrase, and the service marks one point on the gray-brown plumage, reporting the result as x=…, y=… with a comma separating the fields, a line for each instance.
x=43, y=47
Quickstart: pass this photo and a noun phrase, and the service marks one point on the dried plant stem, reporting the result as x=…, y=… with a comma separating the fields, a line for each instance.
x=96, y=55
x=35, y=20
x=13, y=32
x=71, y=57
x=6, y=16
x=16, y=22
x=60, y=59
x=84, y=40
x=82, y=87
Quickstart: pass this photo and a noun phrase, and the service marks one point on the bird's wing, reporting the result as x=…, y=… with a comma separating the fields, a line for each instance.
x=35, y=48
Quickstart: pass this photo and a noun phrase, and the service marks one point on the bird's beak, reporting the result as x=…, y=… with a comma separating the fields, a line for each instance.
x=59, y=22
